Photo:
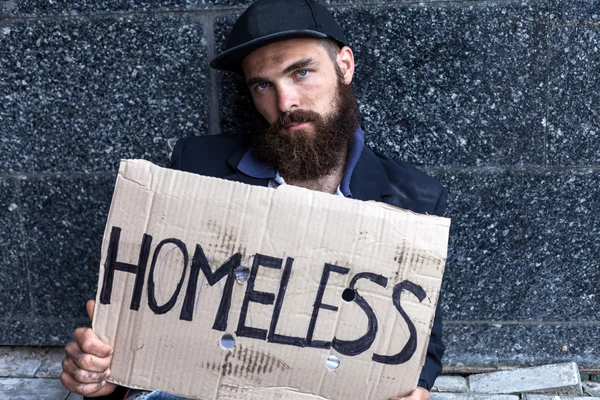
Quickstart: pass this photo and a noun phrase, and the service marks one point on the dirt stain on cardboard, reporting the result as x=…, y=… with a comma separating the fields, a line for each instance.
x=228, y=240
x=399, y=259
x=249, y=363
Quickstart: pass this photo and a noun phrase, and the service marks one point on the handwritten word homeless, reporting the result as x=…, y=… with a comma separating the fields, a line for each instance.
x=200, y=262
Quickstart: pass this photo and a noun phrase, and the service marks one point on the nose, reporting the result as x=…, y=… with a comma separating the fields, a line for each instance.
x=287, y=98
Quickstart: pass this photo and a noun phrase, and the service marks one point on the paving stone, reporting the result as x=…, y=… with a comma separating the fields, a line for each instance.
x=591, y=388
x=74, y=396
x=19, y=362
x=51, y=363
x=32, y=389
x=29, y=362
x=471, y=396
x=555, y=397
x=450, y=383
x=556, y=378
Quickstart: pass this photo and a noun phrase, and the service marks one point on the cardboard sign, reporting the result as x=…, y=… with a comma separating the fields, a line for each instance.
x=214, y=289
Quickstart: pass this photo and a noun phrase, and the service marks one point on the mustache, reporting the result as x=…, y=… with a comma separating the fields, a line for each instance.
x=297, y=116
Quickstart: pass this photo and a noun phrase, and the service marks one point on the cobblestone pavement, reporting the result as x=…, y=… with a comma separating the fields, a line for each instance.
x=31, y=373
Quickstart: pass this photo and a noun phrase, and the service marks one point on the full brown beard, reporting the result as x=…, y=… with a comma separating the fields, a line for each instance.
x=299, y=156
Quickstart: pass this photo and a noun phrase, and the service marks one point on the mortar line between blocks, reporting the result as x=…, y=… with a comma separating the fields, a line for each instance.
x=24, y=256
x=214, y=123
x=509, y=168
x=525, y=323
x=547, y=97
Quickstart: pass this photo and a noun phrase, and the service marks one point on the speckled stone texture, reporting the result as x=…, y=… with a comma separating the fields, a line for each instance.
x=574, y=84
x=235, y=112
x=493, y=345
x=513, y=235
x=79, y=94
x=76, y=7
x=63, y=222
x=441, y=85
x=522, y=275
x=497, y=99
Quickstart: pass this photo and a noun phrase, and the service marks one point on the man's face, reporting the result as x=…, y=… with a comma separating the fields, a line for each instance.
x=307, y=113
x=289, y=75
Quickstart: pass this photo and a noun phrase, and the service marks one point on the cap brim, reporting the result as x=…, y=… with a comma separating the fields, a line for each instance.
x=231, y=59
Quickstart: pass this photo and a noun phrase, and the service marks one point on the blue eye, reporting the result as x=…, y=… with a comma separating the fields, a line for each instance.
x=263, y=85
x=303, y=72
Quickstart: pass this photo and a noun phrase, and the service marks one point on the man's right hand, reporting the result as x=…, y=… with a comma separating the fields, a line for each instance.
x=87, y=364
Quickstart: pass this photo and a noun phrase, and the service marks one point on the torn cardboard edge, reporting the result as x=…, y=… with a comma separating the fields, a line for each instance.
x=326, y=278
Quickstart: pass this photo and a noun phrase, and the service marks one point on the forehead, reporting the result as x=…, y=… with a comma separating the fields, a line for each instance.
x=277, y=56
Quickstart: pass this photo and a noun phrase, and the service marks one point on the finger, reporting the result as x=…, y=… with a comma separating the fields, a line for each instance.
x=84, y=389
x=83, y=376
x=89, y=307
x=86, y=361
x=89, y=343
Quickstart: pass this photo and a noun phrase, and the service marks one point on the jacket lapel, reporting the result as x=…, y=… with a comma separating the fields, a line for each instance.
x=239, y=176
x=369, y=180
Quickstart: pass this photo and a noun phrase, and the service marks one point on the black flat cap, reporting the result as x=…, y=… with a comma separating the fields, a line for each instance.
x=268, y=21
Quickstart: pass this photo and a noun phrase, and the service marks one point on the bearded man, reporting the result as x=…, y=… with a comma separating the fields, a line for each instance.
x=298, y=68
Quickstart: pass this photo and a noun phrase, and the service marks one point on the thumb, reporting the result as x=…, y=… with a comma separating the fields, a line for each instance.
x=89, y=307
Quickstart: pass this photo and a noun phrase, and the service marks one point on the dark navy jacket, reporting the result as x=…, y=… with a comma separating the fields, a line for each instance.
x=374, y=178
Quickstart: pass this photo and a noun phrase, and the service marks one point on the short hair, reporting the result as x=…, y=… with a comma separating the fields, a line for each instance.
x=331, y=46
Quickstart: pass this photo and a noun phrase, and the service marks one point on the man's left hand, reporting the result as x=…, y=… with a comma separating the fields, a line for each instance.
x=417, y=394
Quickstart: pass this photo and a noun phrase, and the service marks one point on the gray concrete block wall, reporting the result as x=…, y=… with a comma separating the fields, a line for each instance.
x=497, y=99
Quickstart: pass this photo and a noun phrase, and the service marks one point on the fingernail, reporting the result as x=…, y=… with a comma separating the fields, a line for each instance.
x=107, y=373
x=102, y=383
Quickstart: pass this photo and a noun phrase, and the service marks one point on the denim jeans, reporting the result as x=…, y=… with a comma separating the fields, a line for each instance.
x=156, y=395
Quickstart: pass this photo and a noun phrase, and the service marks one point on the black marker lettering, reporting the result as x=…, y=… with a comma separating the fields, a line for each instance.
x=363, y=343
x=256, y=297
x=151, y=295
x=411, y=345
x=321, y=344
x=111, y=265
x=200, y=263
x=272, y=336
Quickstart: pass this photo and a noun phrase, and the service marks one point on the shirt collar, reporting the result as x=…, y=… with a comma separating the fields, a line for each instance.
x=251, y=166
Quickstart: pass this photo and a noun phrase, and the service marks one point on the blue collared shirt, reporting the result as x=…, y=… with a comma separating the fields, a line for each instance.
x=250, y=166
